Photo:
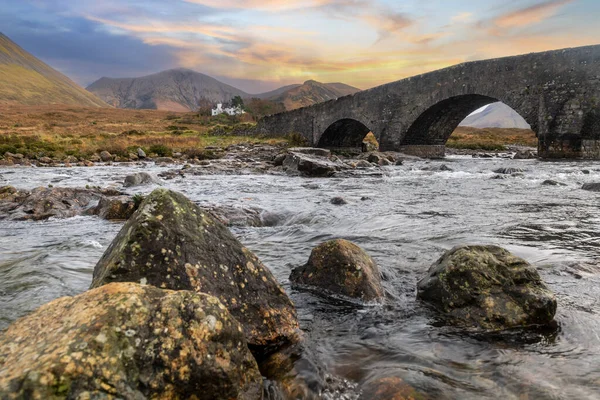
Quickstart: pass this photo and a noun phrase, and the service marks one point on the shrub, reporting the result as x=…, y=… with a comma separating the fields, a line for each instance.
x=160, y=150
x=296, y=140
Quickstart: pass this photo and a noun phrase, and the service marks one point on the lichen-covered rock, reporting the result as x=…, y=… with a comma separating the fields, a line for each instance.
x=487, y=287
x=171, y=243
x=139, y=179
x=128, y=341
x=343, y=268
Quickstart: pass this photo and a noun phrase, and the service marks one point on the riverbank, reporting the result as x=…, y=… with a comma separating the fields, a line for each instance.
x=58, y=135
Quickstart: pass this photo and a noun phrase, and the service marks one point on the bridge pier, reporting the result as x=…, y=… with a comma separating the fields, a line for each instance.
x=571, y=146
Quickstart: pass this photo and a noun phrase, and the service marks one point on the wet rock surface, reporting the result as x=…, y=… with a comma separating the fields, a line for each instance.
x=341, y=268
x=128, y=341
x=139, y=179
x=115, y=207
x=508, y=171
x=487, y=287
x=171, y=243
x=310, y=165
x=42, y=203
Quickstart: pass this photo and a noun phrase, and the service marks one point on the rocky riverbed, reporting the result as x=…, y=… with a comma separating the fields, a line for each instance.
x=405, y=213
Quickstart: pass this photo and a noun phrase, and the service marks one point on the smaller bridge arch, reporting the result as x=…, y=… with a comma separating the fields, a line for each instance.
x=344, y=133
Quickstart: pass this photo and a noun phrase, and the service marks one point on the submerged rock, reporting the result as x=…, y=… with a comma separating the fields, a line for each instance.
x=139, y=179
x=508, y=171
x=550, y=182
x=338, y=201
x=128, y=341
x=390, y=388
x=487, y=287
x=236, y=216
x=171, y=243
x=592, y=187
x=343, y=268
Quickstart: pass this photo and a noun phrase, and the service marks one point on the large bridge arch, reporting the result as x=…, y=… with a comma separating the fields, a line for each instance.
x=556, y=92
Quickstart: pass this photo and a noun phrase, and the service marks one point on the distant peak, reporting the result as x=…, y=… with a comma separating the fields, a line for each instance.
x=312, y=82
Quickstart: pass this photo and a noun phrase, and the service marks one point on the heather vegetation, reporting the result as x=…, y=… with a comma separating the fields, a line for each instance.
x=57, y=131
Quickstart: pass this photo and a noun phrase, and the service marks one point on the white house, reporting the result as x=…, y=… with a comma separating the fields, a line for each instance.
x=229, y=110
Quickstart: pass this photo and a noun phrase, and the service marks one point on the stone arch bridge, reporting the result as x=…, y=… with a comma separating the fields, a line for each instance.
x=557, y=92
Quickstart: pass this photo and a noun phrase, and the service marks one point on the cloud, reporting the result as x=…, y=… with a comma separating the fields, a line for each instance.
x=263, y=5
x=462, y=17
x=530, y=15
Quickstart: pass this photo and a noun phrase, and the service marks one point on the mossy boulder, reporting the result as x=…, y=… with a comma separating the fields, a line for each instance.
x=128, y=341
x=487, y=287
x=341, y=267
x=171, y=243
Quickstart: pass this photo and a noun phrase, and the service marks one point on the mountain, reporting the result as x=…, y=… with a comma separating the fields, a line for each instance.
x=173, y=90
x=496, y=115
x=184, y=90
x=25, y=79
x=312, y=92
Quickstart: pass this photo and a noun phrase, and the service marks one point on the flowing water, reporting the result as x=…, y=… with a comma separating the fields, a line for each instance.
x=410, y=218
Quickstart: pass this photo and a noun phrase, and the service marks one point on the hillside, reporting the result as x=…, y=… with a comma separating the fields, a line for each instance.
x=312, y=92
x=496, y=115
x=26, y=80
x=173, y=90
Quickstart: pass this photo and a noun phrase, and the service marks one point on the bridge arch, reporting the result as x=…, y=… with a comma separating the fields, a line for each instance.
x=437, y=123
x=344, y=133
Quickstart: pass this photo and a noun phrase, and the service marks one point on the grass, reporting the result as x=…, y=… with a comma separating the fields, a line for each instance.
x=490, y=139
x=58, y=131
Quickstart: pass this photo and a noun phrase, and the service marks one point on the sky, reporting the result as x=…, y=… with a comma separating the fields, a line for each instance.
x=259, y=45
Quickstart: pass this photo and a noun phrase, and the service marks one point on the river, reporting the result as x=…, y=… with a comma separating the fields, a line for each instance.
x=410, y=218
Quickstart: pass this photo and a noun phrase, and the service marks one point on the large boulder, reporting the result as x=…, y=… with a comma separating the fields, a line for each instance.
x=310, y=165
x=128, y=341
x=341, y=267
x=171, y=243
x=487, y=287
x=139, y=179
x=106, y=156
